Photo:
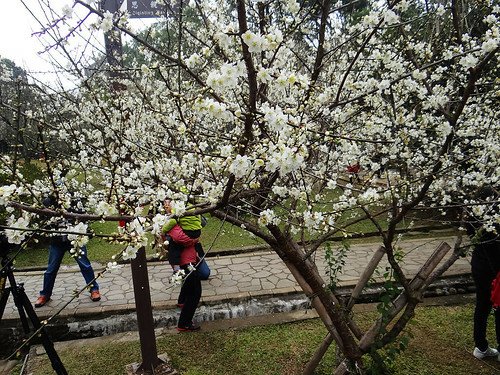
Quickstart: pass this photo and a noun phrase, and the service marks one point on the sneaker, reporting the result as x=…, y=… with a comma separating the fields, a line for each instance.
x=41, y=301
x=489, y=352
x=190, y=328
x=95, y=295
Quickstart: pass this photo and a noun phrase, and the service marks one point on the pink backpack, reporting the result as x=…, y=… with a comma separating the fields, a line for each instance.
x=495, y=291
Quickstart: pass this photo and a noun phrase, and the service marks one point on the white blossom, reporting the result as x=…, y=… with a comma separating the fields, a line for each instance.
x=107, y=22
x=78, y=240
x=137, y=230
x=16, y=236
x=440, y=10
x=468, y=61
x=390, y=17
x=67, y=11
x=369, y=196
x=371, y=19
x=418, y=74
x=491, y=19
x=130, y=252
x=193, y=60
x=254, y=42
x=6, y=192
x=292, y=5
x=275, y=118
x=178, y=277
x=226, y=150
x=312, y=220
x=264, y=76
x=105, y=209
x=145, y=69
x=223, y=40
x=178, y=207
x=240, y=166
x=489, y=45
x=268, y=217
x=112, y=265
x=284, y=159
x=159, y=221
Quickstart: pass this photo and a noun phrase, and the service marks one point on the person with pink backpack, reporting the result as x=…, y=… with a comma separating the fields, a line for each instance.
x=485, y=266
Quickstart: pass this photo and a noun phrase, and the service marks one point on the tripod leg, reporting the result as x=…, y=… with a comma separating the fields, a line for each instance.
x=20, y=309
x=15, y=289
x=24, y=305
x=3, y=300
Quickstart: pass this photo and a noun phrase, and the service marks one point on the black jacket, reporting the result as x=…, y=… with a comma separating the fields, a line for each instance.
x=60, y=223
x=486, y=253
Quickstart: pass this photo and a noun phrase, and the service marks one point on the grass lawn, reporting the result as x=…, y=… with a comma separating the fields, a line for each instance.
x=214, y=238
x=441, y=345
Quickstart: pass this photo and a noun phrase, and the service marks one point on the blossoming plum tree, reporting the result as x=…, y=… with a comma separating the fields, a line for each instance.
x=256, y=108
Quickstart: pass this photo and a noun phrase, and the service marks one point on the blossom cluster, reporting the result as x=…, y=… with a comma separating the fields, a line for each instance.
x=282, y=123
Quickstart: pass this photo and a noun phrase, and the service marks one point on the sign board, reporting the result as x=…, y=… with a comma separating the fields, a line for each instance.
x=145, y=9
x=111, y=5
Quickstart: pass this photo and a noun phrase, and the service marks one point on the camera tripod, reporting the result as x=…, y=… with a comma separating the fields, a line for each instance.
x=26, y=312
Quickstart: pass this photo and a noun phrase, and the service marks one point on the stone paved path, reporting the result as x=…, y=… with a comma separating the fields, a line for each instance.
x=233, y=277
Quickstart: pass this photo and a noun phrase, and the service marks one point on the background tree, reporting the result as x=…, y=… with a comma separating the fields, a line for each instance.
x=15, y=98
x=255, y=115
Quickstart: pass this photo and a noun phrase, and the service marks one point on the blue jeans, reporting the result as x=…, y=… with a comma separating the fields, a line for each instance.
x=57, y=249
x=203, y=270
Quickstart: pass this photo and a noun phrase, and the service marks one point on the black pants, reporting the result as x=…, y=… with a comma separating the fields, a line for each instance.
x=191, y=293
x=483, y=275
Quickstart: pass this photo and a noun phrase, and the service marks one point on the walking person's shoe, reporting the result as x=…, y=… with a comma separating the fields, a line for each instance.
x=41, y=300
x=95, y=295
x=190, y=328
x=488, y=353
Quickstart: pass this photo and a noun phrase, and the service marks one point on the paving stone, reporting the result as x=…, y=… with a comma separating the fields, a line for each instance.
x=273, y=279
x=246, y=278
x=267, y=285
x=222, y=261
x=256, y=264
x=283, y=284
x=118, y=307
x=161, y=296
x=226, y=290
x=262, y=274
x=208, y=292
x=231, y=283
x=251, y=274
x=216, y=282
x=238, y=267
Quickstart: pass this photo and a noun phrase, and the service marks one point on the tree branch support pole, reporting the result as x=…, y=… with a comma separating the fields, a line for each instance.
x=144, y=311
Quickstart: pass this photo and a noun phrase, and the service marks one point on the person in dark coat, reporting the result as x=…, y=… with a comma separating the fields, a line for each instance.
x=485, y=264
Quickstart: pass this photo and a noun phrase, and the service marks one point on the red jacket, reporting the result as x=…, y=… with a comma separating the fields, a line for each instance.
x=188, y=254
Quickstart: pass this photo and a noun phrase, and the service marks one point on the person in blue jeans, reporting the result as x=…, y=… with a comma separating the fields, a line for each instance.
x=59, y=245
x=57, y=248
